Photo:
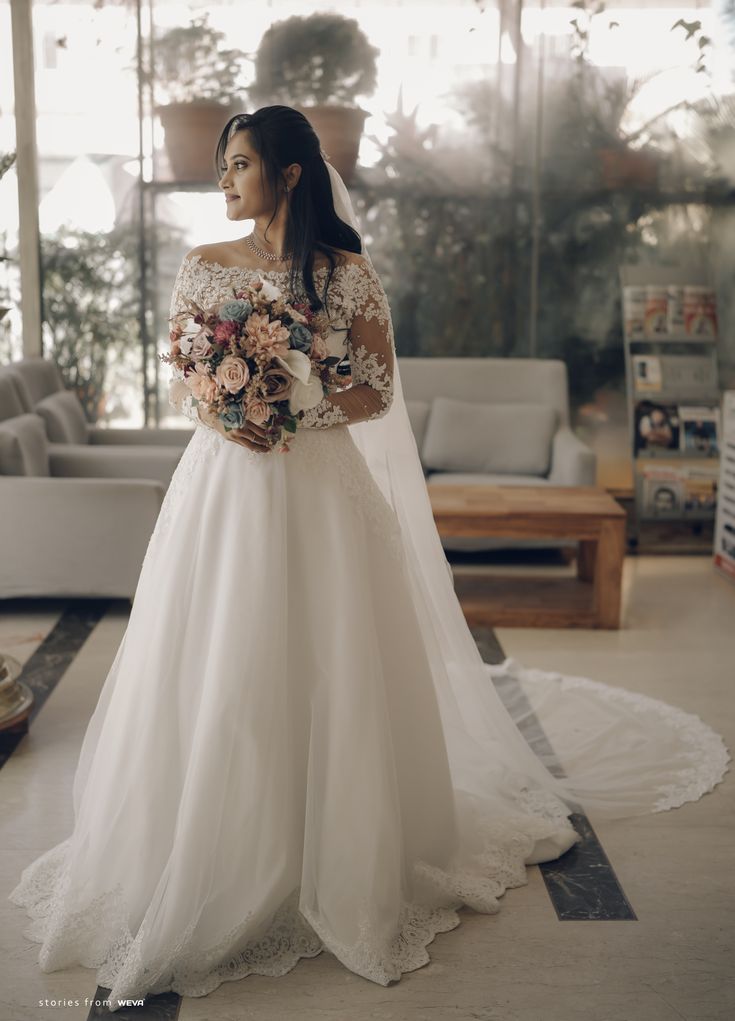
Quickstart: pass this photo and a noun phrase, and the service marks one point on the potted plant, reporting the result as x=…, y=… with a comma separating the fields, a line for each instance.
x=320, y=64
x=90, y=309
x=202, y=84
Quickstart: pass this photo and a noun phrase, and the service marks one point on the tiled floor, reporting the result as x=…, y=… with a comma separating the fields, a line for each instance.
x=673, y=962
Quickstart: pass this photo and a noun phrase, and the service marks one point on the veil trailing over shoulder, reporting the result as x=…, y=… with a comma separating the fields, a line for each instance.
x=614, y=752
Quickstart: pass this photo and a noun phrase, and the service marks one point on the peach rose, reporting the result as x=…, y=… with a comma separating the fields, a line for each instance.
x=232, y=373
x=257, y=410
x=200, y=347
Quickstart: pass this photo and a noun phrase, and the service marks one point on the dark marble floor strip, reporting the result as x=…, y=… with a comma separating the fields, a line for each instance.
x=163, y=1007
x=46, y=666
x=582, y=883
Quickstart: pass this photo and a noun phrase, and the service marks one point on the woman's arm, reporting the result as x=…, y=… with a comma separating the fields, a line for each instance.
x=371, y=350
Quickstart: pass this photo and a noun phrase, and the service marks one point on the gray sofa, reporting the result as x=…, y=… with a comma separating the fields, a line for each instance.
x=79, y=502
x=497, y=421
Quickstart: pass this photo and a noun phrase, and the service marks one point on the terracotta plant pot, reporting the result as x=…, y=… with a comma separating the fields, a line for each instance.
x=191, y=131
x=621, y=168
x=339, y=129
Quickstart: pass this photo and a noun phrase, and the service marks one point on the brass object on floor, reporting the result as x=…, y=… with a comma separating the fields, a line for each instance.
x=16, y=698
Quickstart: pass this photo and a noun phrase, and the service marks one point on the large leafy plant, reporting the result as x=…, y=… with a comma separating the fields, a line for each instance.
x=90, y=308
x=191, y=63
x=318, y=59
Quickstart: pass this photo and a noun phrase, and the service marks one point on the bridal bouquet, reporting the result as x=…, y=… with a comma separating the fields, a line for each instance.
x=254, y=356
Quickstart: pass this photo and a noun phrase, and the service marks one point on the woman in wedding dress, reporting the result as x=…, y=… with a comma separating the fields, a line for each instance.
x=298, y=747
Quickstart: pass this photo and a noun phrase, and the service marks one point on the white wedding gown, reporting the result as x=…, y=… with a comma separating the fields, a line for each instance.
x=266, y=773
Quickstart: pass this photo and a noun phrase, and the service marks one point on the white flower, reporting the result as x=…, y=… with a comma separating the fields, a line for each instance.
x=297, y=363
x=305, y=395
x=269, y=291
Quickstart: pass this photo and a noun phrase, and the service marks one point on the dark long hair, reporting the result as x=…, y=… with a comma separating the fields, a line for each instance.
x=281, y=136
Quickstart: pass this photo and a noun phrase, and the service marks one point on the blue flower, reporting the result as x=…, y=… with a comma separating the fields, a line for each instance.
x=301, y=337
x=239, y=310
x=233, y=417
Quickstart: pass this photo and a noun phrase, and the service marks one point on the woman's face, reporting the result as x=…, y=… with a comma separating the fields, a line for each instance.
x=246, y=195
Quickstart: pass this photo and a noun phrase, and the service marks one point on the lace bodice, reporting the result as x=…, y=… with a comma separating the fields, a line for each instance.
x=362, y=331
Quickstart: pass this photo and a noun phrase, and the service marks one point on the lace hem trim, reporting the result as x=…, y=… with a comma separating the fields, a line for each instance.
x=704, y=756
x=100, y=936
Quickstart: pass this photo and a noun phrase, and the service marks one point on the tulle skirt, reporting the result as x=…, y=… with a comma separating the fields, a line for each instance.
x=271, y=769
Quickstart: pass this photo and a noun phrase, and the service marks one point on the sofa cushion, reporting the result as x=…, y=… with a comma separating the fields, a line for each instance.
x=41, y=377
x=466, y=436
x=64, y=417
x=11, y=401
x=418, y=416
x=23, y=446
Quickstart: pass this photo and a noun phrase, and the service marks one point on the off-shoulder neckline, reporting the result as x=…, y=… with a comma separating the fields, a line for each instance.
x=257, y=269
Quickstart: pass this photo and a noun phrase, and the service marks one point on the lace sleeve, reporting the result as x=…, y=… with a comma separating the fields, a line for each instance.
x=371, y=350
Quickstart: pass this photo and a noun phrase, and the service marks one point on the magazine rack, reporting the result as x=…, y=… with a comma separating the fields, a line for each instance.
x=670, y=342
x=724, y=553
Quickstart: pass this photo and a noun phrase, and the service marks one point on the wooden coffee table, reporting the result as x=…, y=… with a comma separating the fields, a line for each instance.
x=585, y=514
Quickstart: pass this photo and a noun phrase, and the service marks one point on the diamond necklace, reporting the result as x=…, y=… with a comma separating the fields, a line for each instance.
x=266, y=255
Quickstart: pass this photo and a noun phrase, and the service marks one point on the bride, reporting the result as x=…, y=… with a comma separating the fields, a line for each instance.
x=297, y=747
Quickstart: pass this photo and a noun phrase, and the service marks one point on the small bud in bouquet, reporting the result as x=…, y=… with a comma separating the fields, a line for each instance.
x=254, y=357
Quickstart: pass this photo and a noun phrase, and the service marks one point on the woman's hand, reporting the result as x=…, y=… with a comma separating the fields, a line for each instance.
x=252, y=436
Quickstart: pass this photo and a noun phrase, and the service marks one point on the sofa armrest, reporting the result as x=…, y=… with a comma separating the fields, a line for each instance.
x=143, y=437
x=75, y=537
x=81, y=460
x=573, y=463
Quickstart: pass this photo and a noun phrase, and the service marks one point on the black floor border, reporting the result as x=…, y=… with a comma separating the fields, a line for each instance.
x=581, y=884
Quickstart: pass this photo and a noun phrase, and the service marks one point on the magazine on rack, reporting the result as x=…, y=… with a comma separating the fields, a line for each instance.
x=689, y=428
x=699, y=429
x=679, y=489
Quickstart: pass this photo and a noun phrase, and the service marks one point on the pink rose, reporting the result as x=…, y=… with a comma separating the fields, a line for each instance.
x=232, y=373
x=257, y=411
x=200, y=347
